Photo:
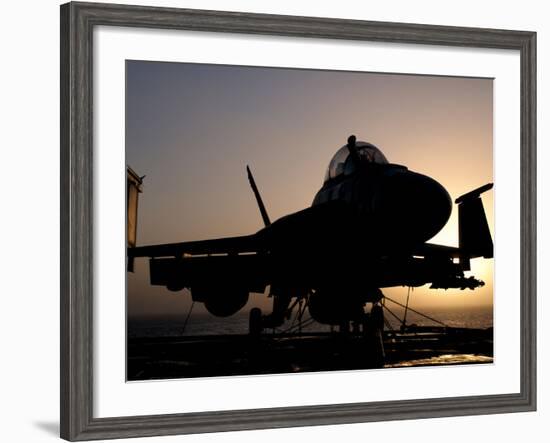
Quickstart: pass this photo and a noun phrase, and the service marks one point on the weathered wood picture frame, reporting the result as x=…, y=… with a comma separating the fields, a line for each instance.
x=77, y=217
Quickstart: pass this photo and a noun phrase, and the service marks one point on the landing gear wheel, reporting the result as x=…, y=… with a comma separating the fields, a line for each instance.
x=255, y=322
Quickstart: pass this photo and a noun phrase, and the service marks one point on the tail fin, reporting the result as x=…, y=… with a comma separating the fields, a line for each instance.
x=474, y=237
x=261, y=206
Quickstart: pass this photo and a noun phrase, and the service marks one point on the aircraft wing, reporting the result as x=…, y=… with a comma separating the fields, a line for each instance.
x=228, y=245
x=206, y=264
x=433, y=250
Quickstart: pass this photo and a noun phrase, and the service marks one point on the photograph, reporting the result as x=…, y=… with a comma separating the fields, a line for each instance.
x=284, y=220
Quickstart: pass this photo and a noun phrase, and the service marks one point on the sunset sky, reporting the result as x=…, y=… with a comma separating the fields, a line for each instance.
x=192, y=129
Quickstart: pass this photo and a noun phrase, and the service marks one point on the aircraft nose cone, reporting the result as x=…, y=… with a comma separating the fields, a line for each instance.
x=412, y=206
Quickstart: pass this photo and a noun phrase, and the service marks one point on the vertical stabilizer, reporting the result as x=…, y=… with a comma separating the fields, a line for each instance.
x=474, y=236
x=133, y=188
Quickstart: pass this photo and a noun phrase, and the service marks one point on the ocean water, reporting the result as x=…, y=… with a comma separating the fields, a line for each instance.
x=206, y=324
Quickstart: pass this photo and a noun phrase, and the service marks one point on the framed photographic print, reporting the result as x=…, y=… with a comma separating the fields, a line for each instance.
x=273, y=221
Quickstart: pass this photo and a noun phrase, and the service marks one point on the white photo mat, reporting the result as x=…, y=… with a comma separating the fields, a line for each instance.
x=113, y=396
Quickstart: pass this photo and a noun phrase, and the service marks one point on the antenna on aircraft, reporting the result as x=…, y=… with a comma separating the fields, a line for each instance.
x=261, y=206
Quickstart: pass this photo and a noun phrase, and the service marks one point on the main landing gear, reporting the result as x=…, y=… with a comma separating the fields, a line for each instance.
x=364, y=336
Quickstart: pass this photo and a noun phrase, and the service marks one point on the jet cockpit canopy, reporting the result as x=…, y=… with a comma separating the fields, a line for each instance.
x=342, y=163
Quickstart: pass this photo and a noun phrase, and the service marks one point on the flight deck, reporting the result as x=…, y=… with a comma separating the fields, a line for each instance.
x=151, y=358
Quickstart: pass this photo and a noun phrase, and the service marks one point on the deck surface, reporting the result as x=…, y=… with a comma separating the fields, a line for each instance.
x=223, y=355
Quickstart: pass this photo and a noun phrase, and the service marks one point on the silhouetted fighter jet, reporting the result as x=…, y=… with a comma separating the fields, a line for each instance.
x=367, y=229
